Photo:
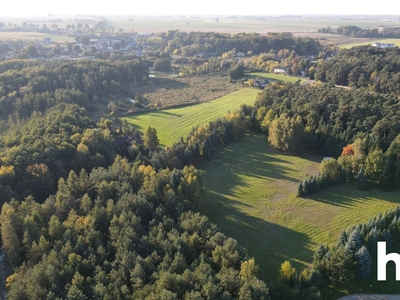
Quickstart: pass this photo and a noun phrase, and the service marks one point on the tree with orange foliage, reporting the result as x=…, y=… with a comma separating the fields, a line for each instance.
x=348, y=150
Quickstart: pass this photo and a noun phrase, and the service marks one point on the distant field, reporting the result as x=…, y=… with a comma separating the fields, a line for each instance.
x=396, y=42
x=173, y=123
x=34, y=35
x=250, y=194
x=275, y=77
x=242, y=24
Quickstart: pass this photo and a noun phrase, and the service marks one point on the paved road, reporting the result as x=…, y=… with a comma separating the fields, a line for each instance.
x=371, y=297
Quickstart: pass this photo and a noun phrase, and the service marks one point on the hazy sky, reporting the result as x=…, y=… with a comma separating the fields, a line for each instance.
x=208, y=7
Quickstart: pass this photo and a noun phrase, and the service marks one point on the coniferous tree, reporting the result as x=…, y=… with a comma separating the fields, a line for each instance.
x=362, y=183
x=207, y=150
x=364, y=262
x=396, y=177
x=306, y=187
x=300, y=189
x=322, y=181
x=342, y=240
x=386, y=180
x=354, y=241
x=150, y=138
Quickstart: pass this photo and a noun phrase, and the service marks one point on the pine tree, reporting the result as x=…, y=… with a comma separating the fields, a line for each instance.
x=342, y=240
x=150, y=138
x=300, y=189
x=362, y=183
x=354, y=241
x=364, y=262
x=207, y=150
x=322, y=181
x=306, y=187
x=314, y=185
x=396, y=177
x=386, y=180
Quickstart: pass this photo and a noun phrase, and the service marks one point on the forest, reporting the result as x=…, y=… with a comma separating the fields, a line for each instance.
x=363, y=67
x=98, y=210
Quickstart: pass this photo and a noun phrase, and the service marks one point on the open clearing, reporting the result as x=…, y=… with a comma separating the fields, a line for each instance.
x=250, y=193
x=34, y=36
x=167, y=91
x=173, y=123
x=396, y=42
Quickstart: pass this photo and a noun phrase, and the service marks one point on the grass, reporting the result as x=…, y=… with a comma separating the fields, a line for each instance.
x=173, y=123
x=275, y=77
x=34, y=36
x=241, y=24
x=250, y=193
x=396, y=42
x=171, y=91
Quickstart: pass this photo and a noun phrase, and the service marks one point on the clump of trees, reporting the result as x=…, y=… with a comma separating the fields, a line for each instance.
x=26, y=87
x=191, y=43
x=363, y=67
x=328, y=118
x=355, y=31
x=354, y=253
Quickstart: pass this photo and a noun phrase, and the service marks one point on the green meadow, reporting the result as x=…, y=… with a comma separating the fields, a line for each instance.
x=34, y=36
x=173, y=123
x=396, y=42
x=250, y=193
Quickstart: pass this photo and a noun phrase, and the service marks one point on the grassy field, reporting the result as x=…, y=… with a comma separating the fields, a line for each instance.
x=170, y=91
x=396, y=42
x=275, y=77
x=34, y=36
x=250, y=194
x=241, y=24
x=173, y=123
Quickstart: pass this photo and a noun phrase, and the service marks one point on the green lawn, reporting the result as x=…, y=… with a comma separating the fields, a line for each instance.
x=275, y=77
x=173, y=123
x=396, y=42
x=250, y=193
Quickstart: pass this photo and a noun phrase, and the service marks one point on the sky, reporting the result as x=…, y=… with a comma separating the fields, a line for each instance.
x=202, y=7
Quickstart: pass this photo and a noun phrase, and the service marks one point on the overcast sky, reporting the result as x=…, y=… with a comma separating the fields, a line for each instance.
x=202, y=7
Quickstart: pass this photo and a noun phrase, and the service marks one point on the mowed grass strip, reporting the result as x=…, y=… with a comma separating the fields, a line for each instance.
x=276, y=77
x=250, y=193
x=173, y=123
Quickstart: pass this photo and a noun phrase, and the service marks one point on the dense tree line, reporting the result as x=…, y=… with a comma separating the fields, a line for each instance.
x=353, y=31
x=322, y=118
x=364, y=66
x=360, y=162
x=35, y=153
x=358, y=32
x=123, y=232
x=355, y=251
x=191, y=43
x=39, y=86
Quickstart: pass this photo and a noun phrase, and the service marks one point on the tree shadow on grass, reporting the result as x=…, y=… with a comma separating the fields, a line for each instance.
x=164, y=113
x=237, y=164
x=347, y=195
x=269, y=243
